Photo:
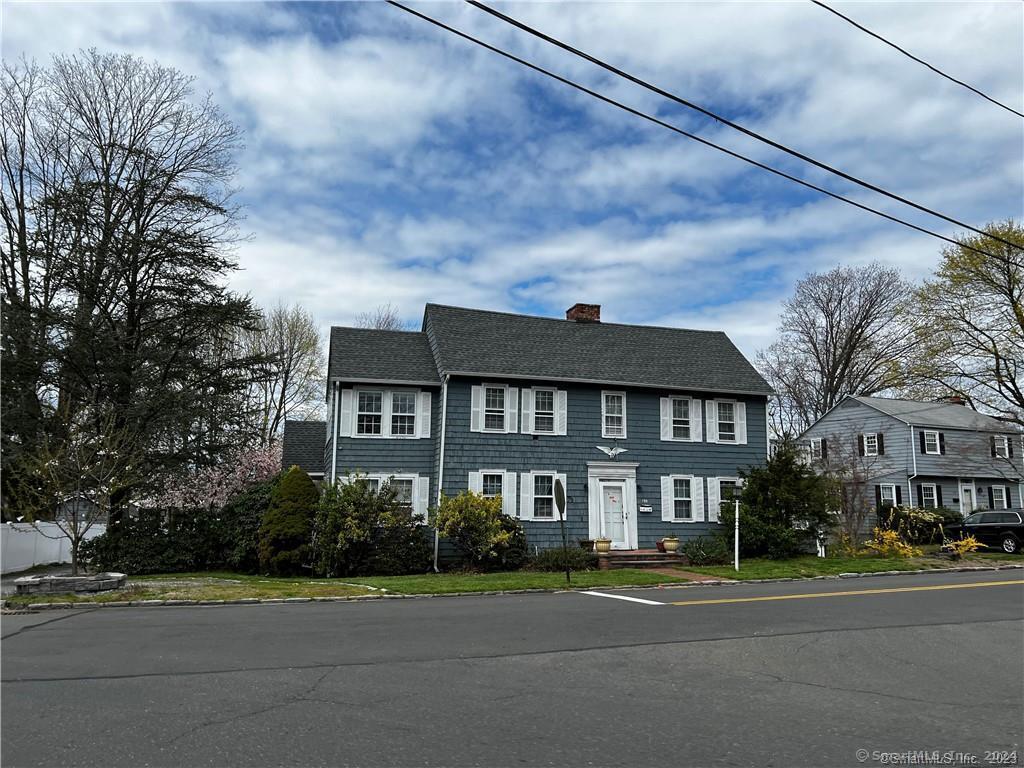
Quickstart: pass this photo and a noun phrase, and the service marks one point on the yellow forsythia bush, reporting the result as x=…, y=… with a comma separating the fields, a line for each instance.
x=889, y=544
x=960, y=547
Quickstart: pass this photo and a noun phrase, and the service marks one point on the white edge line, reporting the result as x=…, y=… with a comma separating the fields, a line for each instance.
x=623, y=597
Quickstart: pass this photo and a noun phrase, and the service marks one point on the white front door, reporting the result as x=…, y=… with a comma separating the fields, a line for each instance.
x=614, y=524
x=967, y=503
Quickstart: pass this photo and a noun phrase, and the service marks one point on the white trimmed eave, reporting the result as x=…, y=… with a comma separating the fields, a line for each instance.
x=607, y=383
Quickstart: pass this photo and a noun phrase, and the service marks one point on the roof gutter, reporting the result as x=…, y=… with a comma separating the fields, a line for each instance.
x=334, y=435
x=440, y=465
x=608, y=382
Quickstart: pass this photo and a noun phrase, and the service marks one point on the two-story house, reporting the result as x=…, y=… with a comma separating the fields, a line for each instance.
x=646, y=427
x=923, y=454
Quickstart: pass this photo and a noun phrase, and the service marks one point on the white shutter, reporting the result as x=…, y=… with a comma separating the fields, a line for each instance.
x=561, y=411
x=385, y=413
x=423, y=414
x=696, y=423
x=714, y=499
x=666, y=418
x=712, y=421
x=527, y=426
x=422, y=498
x=697, y=494
x=347, y=406
x=667, y=501
x=476, y=400
x=508, y=494
x=512, y=409
x=565, y=487
x=476, y=482
x=741, y=423
x=526, y=496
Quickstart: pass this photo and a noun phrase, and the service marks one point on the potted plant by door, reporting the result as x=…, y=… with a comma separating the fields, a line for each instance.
x=587, y=544
x=602, y=545
x=671, y=543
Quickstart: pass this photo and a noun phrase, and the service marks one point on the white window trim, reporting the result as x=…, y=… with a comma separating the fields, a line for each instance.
x=697, y=511
x=935, y=495
x=883, y=486
x=696, y=421
x=715, y=495
x=604, y=426
x=1004, y=451
x=1005, y=498
x=739, y=416
x=938, y=444
x=871, y=452
x=554, y=411
x=504, y=412
x=420, y=428
x=526, y=505
x=816, y=455
x=419, y=493
x=509, y=495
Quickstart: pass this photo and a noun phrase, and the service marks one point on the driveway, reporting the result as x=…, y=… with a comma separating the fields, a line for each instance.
x=788, y=674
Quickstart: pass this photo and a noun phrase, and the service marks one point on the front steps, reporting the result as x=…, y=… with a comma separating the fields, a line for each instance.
x=638, y=558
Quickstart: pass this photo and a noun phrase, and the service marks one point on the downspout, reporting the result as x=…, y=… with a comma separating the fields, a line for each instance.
x=440, y=465
x=913, y=454
x=334, y=436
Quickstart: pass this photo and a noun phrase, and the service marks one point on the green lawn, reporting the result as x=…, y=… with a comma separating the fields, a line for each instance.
x=233, y=586
x=809, y=565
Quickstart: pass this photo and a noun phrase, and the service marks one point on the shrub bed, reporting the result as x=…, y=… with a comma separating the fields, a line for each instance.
x=575, y=558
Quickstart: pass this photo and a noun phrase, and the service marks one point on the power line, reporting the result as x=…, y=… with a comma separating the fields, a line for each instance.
x=676, y=129
x=725, y=121
x=909, y=55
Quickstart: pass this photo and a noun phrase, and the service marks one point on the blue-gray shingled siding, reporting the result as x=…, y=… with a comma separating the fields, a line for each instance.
x=569, y=454
x=414, y=456
x=968, y=455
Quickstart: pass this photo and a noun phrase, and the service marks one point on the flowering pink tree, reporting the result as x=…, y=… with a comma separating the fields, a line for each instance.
x=212, y=487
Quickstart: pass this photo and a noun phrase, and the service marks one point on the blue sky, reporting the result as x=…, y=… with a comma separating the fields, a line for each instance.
x=387, y=161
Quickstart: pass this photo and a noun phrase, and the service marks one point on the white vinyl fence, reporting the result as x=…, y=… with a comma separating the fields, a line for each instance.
x=24, y=546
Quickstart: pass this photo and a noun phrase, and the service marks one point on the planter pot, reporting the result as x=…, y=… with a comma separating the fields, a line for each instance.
x=603, y=546
x=671, y=544
x=660, y=545
x=587, y=544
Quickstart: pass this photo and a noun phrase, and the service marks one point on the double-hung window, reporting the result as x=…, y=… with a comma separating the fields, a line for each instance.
x=494, y=409
x=543, y=497
x=931, y=442
x=544, y=410
x=403, y=488
x=887, y=493
x=403, y=414
x=1001, y=446
x=613, y=414
x=929, y=496
x=681, y=418
x=369, y=413
x=682, y=498
x=726, y=421
x=871, y=447
x=999, y=500
x=817, y=453
x=491, y=484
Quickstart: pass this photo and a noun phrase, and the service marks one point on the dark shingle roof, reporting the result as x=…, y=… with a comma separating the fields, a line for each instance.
x=371, y=355
x=930, y=414
x=500, y=344
x=303, y=445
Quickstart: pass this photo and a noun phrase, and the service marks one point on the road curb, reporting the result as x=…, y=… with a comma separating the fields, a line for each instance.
x=33, y=607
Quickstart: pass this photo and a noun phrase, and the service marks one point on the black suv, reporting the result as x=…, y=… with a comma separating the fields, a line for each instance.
x=1000, y=530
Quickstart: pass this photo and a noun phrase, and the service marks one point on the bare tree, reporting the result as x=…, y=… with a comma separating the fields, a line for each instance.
x=384, y=318
x=292, y=379
x=853, y=477
x=75, y=477
x=844, y=332
x=973, y=344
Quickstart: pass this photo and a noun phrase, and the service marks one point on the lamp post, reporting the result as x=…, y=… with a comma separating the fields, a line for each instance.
x=736, y=537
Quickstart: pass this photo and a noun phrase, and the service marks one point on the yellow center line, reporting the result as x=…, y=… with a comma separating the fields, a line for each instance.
x=851, y=592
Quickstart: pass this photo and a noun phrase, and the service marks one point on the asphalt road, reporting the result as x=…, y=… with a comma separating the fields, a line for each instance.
x=530, y=680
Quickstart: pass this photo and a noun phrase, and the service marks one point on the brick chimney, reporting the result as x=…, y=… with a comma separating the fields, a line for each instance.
x=584, y=313
x=956, y=400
